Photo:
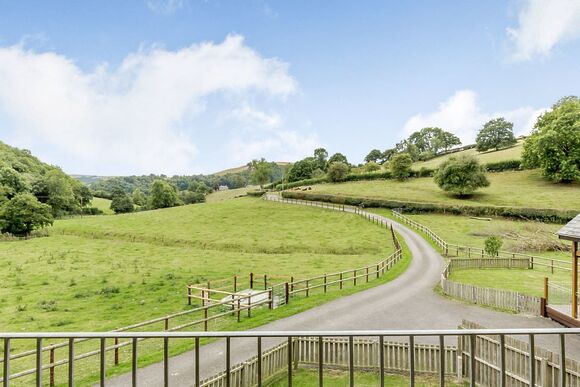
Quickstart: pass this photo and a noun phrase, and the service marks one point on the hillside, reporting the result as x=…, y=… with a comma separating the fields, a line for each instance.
x=244, y=168
x=511, y=153
x=513, y=188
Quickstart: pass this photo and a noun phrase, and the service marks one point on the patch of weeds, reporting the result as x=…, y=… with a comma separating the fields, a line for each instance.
x=47, y=305
x=61, y=323
x=72, y=282
x=109, y=291
x=82, y=295
x=21, y=308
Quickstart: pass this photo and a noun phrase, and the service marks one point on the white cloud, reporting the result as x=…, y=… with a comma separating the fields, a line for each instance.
x=462, y=115
x=542, y=25
x=255, y=118
x=137, y=118
x=165, y=6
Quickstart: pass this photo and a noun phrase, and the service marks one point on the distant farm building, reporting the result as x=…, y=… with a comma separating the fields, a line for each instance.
x=223, y=188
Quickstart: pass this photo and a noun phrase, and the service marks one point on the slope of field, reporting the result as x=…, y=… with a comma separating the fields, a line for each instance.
x=514, y=188
x=99, y=273
x=244, y=168
x=512, y=153
x=103, y=205
x=227, y=194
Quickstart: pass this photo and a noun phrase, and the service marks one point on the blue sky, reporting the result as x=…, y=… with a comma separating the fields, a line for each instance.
x=190, y=86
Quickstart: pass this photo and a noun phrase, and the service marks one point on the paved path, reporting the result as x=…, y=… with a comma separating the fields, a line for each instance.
x=408, y=302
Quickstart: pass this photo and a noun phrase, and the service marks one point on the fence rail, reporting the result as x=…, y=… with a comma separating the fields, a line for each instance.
x=487, y=357
x=503, y=299
x=450, y=249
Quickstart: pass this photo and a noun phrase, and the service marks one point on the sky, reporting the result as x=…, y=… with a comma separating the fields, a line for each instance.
x=196, y=86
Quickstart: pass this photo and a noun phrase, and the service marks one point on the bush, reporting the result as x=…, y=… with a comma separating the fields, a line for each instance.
x=122, y=203
x=337, y=171
x=92, y=211
x=461, y=175
x=24, y=213
x=506, y=165
x=371, y=166
x=257, y=193
x=493, y=245
x=400, y=165
x=546, y=215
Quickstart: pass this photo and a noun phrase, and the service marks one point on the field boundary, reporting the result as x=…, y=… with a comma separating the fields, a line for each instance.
x=548, y=215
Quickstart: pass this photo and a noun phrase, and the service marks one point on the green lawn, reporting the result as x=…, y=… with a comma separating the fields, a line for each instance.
x=527, y=237
x=149, y=257
x=219, y=196
x=512, y=153
x=514, y=188
x=101, y=273
x=103, y=205
x=307, y=378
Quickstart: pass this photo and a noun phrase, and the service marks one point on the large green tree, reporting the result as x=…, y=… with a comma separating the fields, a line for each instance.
x=400, y=166
x=460, y=175
x=427, y=142
x=11, y=182
x=260, y=172
x=495, y=134
x=163, y=195
x=338, y=157
x=554, y=144
x=24, y=213
x=321, y=156
x=302, y=169
x=374, y=155
x=337, y=171
x=122, y=203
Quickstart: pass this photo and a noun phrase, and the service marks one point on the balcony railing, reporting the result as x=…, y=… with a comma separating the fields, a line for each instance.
x=472, y=357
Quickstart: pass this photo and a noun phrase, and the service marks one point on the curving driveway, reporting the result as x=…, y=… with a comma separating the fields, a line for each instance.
x=407, y=302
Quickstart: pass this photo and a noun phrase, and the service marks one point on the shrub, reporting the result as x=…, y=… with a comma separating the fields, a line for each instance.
x=493, y=245
x=122, y=203
x=337, y=171
x=24, y=213
x=400, y=165
x=461, y=175
x=371, y=166
x=506, y=165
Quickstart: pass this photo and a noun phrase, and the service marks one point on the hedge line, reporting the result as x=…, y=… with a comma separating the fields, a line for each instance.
x=256, y=193
x=506, y=165
x=539, y=214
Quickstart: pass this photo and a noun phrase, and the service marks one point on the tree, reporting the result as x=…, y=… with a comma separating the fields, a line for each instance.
x=400, y=166
x=409, y=148
x=493, y=245
x=371, y=167
x=191, y=197
x=11, y=182
x=61, y=196
x=337, y=171
x=139, y=197
x=302, y=169
x=427, y=142
x=162, y=195
x=387, y=154
x=554, y=144
x=260, y=171
x=122, y=203
x=461, y=175
x=495, y=134
x=321, y=156
x=338, y=157
x=375, y=155
x=23, y=214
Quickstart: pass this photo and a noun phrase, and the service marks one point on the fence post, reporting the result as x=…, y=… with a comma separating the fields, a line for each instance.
x=292, y=283
x=340, y=281
x=324, y=283
x=354, y=277
x=307, y=288
x=235, y=284
x=188, y=295
x=546, y=292
x=367, y=274
x=378, y=270
x=166, y=324
x=271, y=297
x=251, y=280
x=116, y=351
x=239, y=310
x=265, y=281
x=287, y=292
x=52, y=366
x=205, y=319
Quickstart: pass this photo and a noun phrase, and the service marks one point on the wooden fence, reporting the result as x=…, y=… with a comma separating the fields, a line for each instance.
x=450, y=249
x=335, y=355
x=517, y=361
x=503, y=299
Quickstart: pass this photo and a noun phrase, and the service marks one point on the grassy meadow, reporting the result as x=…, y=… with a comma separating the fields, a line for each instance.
x=513, y=188
x=103, y=272
x=103, y=205
x=219, y=196
x=511, y=153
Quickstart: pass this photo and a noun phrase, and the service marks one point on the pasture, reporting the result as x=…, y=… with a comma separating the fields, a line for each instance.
x=103, y=272
x=511, y=153
x=103, y=205
x=513, y=188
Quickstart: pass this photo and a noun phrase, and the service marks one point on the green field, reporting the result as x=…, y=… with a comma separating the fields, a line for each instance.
x=99, y=273
x=512, y=153
x=228, y=194
x=103, y=205
x=514, y=188
x=307, y=378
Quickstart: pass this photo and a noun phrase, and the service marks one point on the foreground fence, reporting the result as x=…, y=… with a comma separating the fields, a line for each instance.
x=503, y=299
x=450, y=249
x=489, y=357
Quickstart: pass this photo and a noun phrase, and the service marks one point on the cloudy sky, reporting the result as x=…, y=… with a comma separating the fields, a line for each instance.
x=195, y=86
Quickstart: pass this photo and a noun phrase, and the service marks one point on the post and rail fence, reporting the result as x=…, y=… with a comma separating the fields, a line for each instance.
x=484, y=357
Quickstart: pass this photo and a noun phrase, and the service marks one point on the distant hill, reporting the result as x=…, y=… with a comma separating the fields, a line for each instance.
x=511, y=153
x=88, y=179
x=245, y=168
